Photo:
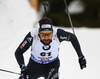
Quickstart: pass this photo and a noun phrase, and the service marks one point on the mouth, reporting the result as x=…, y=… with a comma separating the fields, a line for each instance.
x=46, y=41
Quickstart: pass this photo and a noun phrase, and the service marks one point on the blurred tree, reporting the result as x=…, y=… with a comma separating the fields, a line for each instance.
x=57, y=12
x=91, y=15
x=89, y=18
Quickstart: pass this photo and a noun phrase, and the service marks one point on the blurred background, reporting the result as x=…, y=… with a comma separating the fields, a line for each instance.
x=83, y=12
x=18, y=17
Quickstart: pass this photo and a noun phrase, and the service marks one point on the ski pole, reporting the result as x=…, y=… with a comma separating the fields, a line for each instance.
x=10, y=71
x=27, y=76
x=69, y=17
x=45, y=3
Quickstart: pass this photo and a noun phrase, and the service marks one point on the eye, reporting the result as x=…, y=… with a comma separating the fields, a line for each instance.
x=45, y=34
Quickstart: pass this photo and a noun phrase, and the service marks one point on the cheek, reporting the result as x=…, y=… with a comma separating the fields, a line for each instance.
x=41, y=38
x=50, y=37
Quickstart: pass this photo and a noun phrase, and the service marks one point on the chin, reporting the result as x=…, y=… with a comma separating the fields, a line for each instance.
x=46, y=43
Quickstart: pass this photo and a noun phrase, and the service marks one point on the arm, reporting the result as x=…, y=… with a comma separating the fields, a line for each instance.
x=25, y=44
x=66, y=36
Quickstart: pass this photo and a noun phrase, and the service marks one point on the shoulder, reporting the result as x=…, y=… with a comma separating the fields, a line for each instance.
x=64, y=35
x=55, y=29
x=33, y=31
x=60, y=31
x=63, y=32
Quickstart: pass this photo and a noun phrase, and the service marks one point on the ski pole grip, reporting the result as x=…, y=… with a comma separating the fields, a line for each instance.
x=46, y=3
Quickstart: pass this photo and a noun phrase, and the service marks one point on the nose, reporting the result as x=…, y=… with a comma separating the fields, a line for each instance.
x=46, y=37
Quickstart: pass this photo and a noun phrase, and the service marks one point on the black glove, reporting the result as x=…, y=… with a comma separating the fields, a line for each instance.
x=24, y=72
x=82, y=62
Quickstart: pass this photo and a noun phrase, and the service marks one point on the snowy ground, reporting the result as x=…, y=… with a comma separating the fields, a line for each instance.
x=17, y=19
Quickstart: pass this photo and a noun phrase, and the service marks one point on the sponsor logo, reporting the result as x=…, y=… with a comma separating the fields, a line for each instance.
x=46, y=47
x=55, y=76
x=50, y=73
x=68, y=37
x=29, y=39
x=23, y=44
x=44, y=58
x=63, y=37
x=21, y=47
x=46, y=26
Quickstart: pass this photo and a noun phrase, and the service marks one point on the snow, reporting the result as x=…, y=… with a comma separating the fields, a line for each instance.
x=89, y=41
x=17, y=18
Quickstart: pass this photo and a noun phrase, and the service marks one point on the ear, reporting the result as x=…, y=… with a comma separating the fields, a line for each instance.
x=38, y=33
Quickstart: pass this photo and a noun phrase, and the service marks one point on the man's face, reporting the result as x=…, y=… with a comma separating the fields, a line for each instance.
x=46, y=37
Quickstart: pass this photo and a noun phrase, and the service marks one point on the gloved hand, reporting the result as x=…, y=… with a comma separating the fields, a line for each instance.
x=24, y=72
x=82, y=62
